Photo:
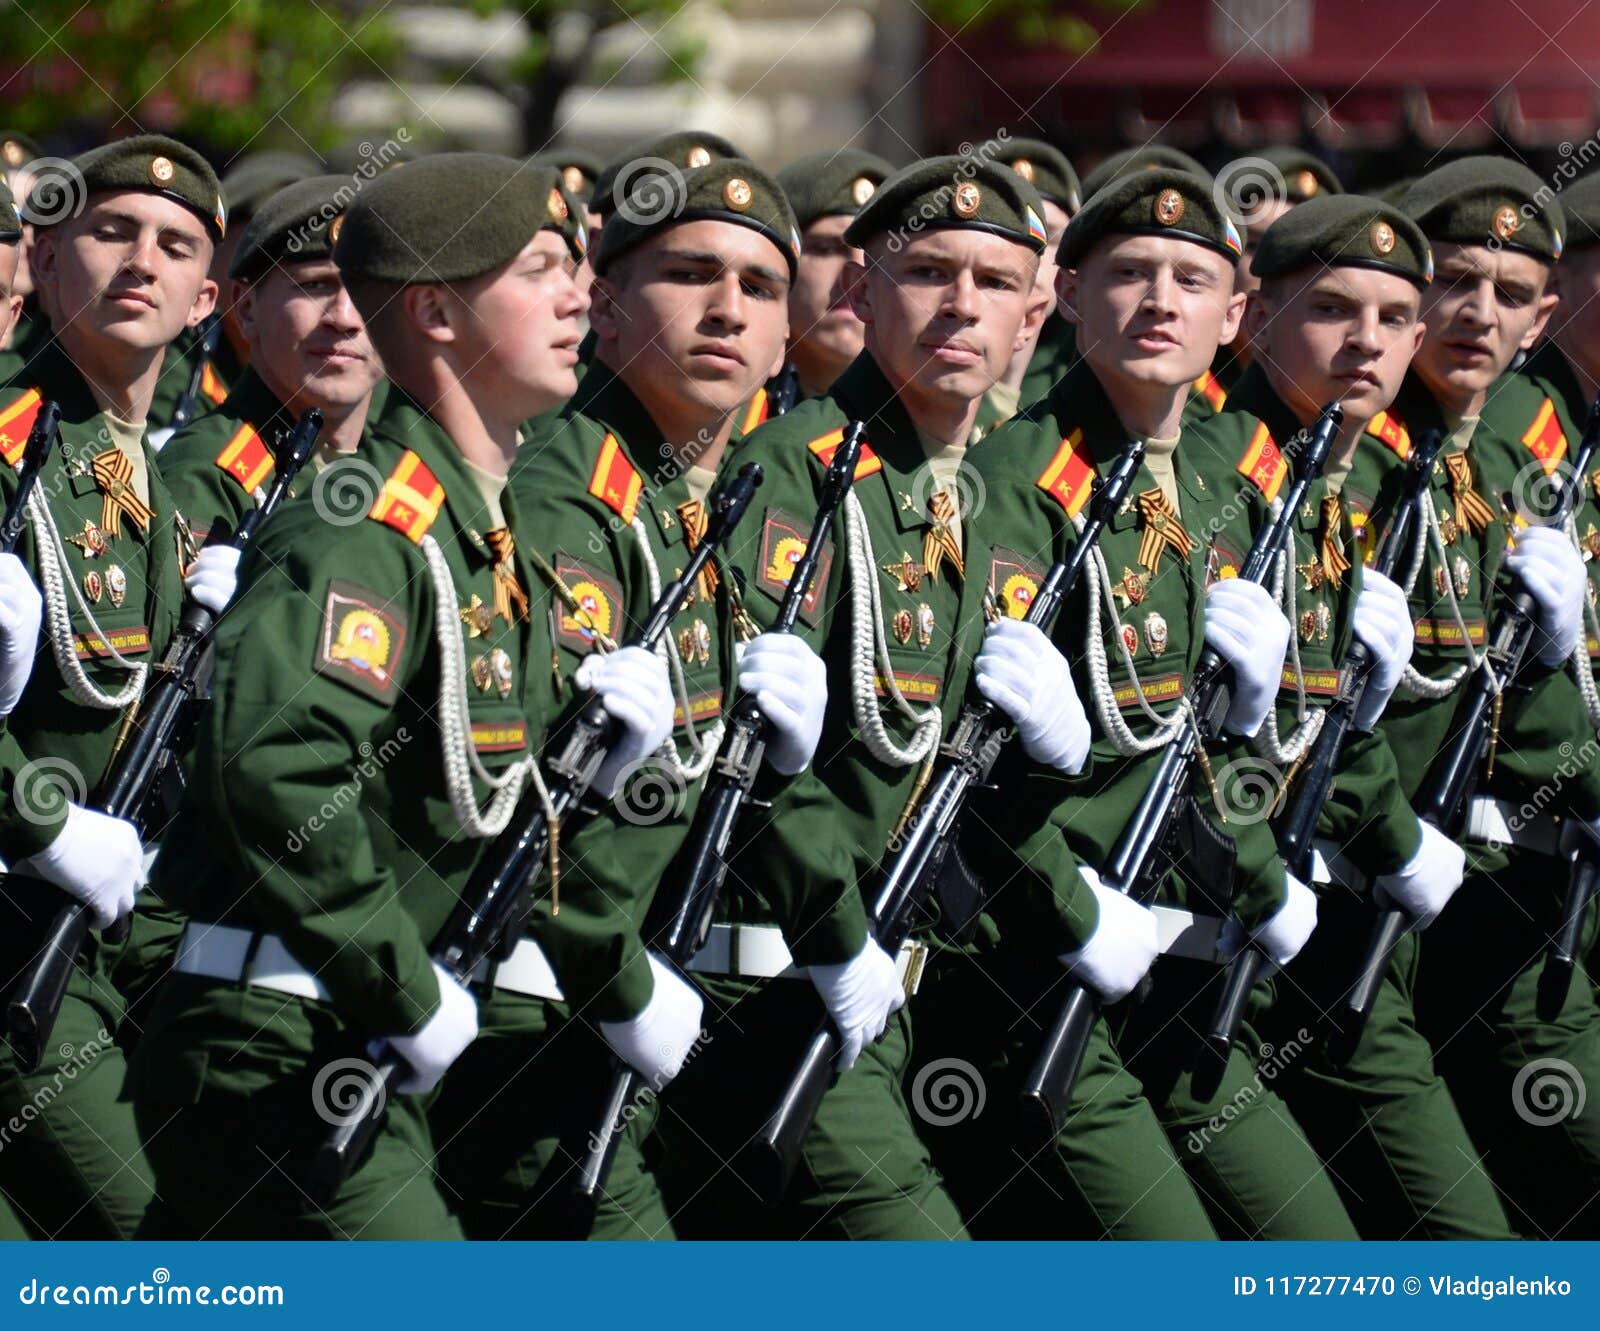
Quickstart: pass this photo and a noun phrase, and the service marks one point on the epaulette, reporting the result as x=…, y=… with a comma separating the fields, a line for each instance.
x=211, y=385
x=1262, y=464
x=15, y=423
x=825, y=446
x=614, y=482
x=410, y=499
x=1069, y=479
x=1391, y=433
x=246, y=458
x=756, y=413
x=1210, y=387
x=1545, y=438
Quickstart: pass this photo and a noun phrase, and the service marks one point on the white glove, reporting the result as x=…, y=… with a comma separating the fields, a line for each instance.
x=1282, y=936
x=1123, y=946
x=1551, y=568
x=1246, y=628
x=20, y=612
x=655, y=1043
x=632, y=684
x=432, y=1050
x=1425, y=882
x=213, y=577
x=861, y=995
x=790, y=683
x=1383, y=623
x=95, y=858
x=1020, y=671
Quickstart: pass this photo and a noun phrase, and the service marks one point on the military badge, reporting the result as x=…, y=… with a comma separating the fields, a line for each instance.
x=966, y=200
x=697, y=156
x=1130, y=640
x=1591, y=543
x=1131, y=588
x=1463, y=575
x=783, y=542
x=116, y=584
x=595, y=610
x=481, y=674
x=924, y=624
x=361, y=641
x=1382, y=238
x=13, y=153
x=903, y=626
x=91, y=540
x=1168, y=207
x=477, y=617
x=500, y=671
x=93, y=587
x=861, y=189
x=1506, y=222
x=737, y=194
x=906, y=572
x=1324, y=618
x=1441, y=581
x=1155, y=634
x=1306, y=184
x=700, y=631
x=161, y=170
x=1013, y=581
x=1308, y=625
x=572, y=178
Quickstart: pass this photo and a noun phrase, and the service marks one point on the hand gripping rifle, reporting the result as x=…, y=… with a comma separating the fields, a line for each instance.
x=495, y=901
x=1470, y=745
x=41, y=439
x=1133, y=865
x=727, y=795
x=1296, y=828
x=965, y=761
x=129, y=789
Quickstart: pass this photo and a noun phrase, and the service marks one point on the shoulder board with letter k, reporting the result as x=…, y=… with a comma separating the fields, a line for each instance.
x=1069, y=479
x=614, y=482
x=825, y=446
x=16, y=421
x=1545, y=438
x=410, y=499
x=246, y=458
x=1390, y=432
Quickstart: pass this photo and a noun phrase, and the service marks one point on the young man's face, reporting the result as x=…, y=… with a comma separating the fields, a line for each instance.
x=1055, y=223
x=306, y=339
x=1482, y=306
x=695, y=319
x=1151, y=309
x=516, y=330
x=946, y=310
x=1577, y=280
x=130, y=269
x=823, y=328
x=10, y=297
x=1336, y=335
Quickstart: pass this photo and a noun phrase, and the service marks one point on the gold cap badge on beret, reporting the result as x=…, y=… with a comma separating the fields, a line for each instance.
x=1306, y=182
x=12, y=152
x=698, y=156
x=966, y=201
x=1506, y=222
x=161, y=170
x=1168, y=207
x=556, y=206
x=572, y=178
x=737, y=194
x=1024, y=168
x=1382, y=238
x=861, y=190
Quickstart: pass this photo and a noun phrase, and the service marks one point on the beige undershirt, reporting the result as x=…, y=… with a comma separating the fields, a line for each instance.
x=944, y=461
x=491, y=487
x=128, y=437
x=1335, y=474
x=1461, y=430
x=700, y=480
x=1158, y=455
x=324, y=455
x=1003, y=398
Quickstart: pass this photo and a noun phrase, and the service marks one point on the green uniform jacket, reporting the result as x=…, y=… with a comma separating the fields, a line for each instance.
x=1028, y=471
x=1367, y=814
x=318, y=808
x=603, y=494
x=1054, y=354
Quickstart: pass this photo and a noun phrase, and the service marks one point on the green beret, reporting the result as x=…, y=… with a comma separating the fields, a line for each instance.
x=1158, y=202
x=734, y=191
x=1395, y=190
x=1145, y=158
x=1580, y=204
x=832, y=184
x=1345, y=231
x=298, y=223
x=449, y=217
x=16, y=149
x=366, y=155
x=1305, y=175
x=1489, y=201
x=151, y=163
x=683, y=148
x=1047, y=170
x=964, y=192
x=256, y=177
x=10, y=222
x=579, y=169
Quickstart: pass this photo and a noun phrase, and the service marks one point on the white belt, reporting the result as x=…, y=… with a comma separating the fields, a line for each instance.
x=757, y=951
x=1502, y=822
x=1185, y=934
x=526, y=971
x=223, y=953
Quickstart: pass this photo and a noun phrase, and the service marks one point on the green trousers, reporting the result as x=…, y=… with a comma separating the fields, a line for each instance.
x=863, y=1172
x=514, y=1115
x=1385, y=1121
x=1521, y=1075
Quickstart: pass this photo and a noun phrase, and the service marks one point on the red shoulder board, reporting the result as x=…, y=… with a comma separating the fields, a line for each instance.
x=16, y=421
x=1545, y=438
x=211, y=385
x=1210, y=388
x=1069, y=479
x=410, y=499
x=614, y=482
x=1262, y=464
x=827, y=445
x=1391, y=432
x=246, y=459
x=755, y=413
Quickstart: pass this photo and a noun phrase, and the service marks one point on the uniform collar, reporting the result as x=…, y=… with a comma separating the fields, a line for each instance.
x=1254, y=394
x=257, y=405
x=864, y=393
x=1079, y=402
x=52, y=372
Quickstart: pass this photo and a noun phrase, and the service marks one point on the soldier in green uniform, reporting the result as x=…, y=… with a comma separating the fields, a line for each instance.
x=1144, y=157
x=307, y=347
x=827, y=190
x=106, y=544
x=372, y=728
x=1336, y=318
x=1147, y=275
x=690, y=313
